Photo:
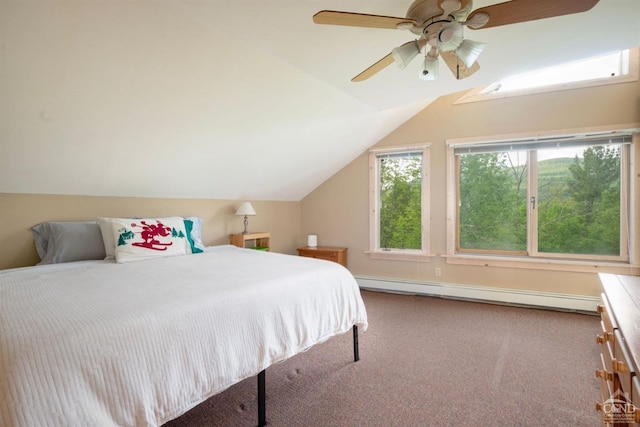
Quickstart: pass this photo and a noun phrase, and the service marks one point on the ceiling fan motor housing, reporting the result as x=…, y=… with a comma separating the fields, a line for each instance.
x=432, y=23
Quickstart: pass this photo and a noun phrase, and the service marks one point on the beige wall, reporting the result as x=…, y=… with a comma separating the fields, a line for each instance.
x=338, y=210
x=19, y=212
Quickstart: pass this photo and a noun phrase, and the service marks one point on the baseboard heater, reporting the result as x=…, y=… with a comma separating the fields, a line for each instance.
x=580, y=303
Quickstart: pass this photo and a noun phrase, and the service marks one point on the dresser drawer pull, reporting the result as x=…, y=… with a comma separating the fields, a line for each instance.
x=607, y=376
x=607, y=336
x=620, y=366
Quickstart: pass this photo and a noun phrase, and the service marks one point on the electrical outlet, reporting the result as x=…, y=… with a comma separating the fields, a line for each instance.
x=438, y=272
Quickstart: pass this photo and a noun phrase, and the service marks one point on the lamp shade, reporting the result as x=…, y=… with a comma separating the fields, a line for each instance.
x=469, y=51
x=245, y=209
x=430, y=69
x=402, y=55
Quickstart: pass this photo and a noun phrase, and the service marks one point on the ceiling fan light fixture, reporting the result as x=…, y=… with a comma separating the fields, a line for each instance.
x=430, y=69
x=469, y=51
x=450, y=37
x=402, y=55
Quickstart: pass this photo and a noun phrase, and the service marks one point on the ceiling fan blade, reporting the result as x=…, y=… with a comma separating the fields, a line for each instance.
x=332, y=17
x=378, y=66
x=457, y=66
x=515, y=11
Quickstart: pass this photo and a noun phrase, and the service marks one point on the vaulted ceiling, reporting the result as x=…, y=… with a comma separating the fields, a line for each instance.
x=230, y=99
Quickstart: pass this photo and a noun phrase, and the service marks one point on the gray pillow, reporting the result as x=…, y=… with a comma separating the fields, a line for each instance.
x=41, y=233
x=66, y=241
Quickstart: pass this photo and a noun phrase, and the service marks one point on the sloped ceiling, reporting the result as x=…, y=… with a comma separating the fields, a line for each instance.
x=229, y=99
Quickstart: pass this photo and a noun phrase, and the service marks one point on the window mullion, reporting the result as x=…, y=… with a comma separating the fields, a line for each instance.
x=532, y=203
x=457, y=203
x=624, y=201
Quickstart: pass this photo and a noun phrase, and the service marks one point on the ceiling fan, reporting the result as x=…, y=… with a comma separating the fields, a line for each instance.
x=440, y=25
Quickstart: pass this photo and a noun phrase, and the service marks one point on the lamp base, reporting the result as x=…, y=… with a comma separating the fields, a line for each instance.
x=246, y=224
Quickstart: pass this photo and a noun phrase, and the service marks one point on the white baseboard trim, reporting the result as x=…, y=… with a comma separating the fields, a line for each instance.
x=582, y=303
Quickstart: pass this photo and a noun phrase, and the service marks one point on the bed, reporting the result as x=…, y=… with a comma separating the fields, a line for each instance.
x=140, y=343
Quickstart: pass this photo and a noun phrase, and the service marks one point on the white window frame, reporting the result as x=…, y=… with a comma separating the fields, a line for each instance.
x=535, y=260
x=375, y=252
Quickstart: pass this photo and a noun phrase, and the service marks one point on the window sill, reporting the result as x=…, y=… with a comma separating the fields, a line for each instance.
x=400, y=255
x=544, y=264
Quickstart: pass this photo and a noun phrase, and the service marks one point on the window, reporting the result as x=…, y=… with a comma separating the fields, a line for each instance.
x=399, y=218
x=562, y=197
x=599, y=67
x=615, y=67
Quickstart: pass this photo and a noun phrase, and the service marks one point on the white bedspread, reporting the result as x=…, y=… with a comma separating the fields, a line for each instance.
x=105, y=344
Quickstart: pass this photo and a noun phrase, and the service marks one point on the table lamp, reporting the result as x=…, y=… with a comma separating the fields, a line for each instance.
x=245, y=209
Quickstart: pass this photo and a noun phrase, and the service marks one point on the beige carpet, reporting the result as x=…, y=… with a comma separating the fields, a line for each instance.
x=430, y=362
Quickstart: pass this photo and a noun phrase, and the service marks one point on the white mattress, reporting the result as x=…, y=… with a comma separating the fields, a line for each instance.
x=100, y=343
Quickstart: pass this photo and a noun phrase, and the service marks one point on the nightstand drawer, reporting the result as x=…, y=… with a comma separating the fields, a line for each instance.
x=327, y=253
x=329, y=257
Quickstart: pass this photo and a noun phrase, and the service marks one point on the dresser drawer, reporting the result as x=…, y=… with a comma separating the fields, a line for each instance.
x=606, y=381
x=622, y=363
x=607, y=345
x=608, y=356
x=606, y=314
x=635, y=398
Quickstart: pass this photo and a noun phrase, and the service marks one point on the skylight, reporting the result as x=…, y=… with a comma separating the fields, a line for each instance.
x=599, y=67
x=612, y=68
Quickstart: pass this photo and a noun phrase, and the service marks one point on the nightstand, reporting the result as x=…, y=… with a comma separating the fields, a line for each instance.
x=259, y=240
x=328, y=253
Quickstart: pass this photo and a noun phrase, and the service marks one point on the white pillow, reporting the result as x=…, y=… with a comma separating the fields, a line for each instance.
x=145, y=238
x=107, y=237
x=106, y=229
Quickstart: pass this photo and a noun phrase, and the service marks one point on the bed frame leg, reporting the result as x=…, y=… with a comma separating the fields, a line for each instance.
x=356, y=355
x=262, y=417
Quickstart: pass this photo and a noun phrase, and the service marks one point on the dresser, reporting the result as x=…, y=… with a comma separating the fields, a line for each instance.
x=328, y=253
x=619, y=343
